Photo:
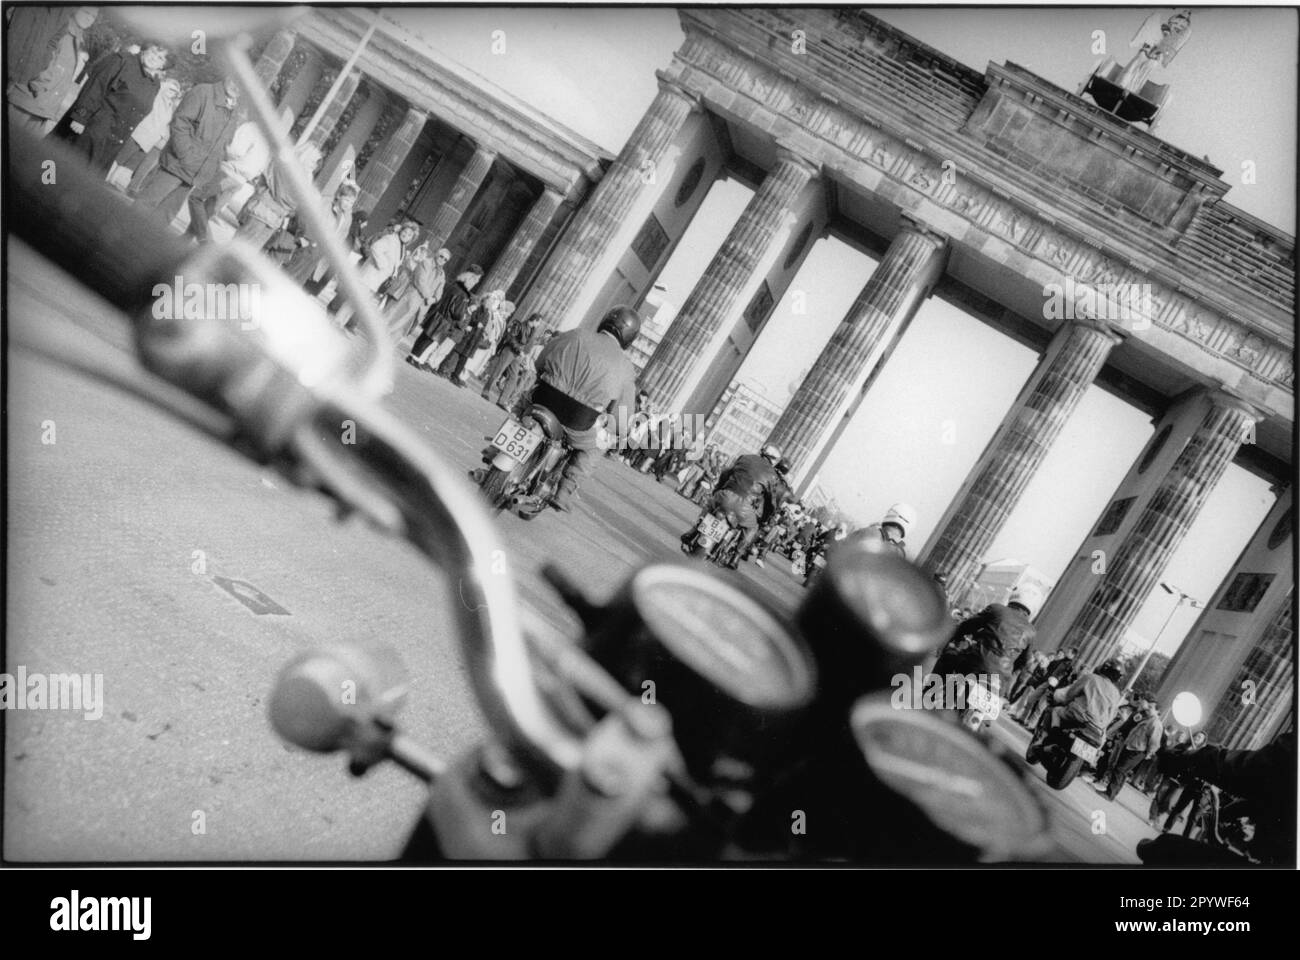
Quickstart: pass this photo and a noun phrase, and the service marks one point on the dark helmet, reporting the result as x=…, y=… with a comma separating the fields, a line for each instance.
x=623, y=322
x=783, y=468
x=1112, y=671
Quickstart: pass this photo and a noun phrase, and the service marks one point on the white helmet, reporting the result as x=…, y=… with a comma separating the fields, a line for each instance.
x=1028, y=596
x=902, y=515
x=771, y=451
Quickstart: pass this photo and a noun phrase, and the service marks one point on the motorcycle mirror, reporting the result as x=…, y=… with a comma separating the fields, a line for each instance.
x=1187, y=709
x=186, y=26
x=337, y=698
x=870, y=616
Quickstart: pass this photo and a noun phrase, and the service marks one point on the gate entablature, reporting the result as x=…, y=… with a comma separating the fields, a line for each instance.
x=935, y=167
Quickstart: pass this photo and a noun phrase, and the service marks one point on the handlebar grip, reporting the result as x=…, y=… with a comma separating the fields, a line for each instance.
x=69, y=214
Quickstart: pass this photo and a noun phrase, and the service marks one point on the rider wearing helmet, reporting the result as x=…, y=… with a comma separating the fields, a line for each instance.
x=751, y=490
x=1092, y=700
x=890, y=533
x=580, y=375
x=989, y=642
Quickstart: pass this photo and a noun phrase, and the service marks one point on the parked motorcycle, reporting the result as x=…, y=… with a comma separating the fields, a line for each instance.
x=524, y=472
x=1064, y=750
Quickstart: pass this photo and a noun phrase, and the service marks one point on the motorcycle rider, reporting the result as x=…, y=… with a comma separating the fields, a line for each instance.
x=991, y=640
x=751, y=490
x=890, y=533
x=770, y=530
x=1091, y=701
x=1061, y=669
x=580, y=375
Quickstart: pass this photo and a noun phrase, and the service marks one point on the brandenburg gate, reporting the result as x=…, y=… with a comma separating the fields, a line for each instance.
x=989, y=190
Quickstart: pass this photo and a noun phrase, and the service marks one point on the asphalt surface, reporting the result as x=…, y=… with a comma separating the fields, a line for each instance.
x=187, y=576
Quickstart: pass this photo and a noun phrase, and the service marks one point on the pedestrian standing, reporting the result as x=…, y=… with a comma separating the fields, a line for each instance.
x=424, y=279
x=119, y=92
x=1142, y=743
x=447, y=315
x=201, y=128
x=37, y=102
x=468, y=337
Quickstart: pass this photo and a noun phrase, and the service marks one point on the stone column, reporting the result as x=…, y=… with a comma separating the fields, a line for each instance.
x=357, y=133
x=718, y=294
x=1136, y=568
x=592, y=229
x=388, y=158
x=994, y=487
x=522, y=242
x=453, y=208
x=900, y=283
x=1251, y=705
x=334, y=111
x=301, y=85
x=272, y=60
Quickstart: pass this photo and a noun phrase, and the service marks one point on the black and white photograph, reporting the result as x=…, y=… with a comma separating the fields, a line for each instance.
x=446, y=436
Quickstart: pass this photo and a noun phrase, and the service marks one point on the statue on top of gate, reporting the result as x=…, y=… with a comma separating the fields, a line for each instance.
x=1126, y=91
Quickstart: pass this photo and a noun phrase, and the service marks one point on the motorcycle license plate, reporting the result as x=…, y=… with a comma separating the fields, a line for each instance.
x=1081, y=748
x=981, y=701
x=712, y=528
x=516, y=440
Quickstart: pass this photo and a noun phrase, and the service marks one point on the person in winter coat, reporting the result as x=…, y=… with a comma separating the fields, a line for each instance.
x=201, y=129
x=989, y=642
x=469, y=336
x=447, y=315
x=142, y=150
x=418, y=286
x=120, y=91
x=32, y=36
x=381, y=264
x=494, y=328
x=36, y=103
x=246, y=158
x=520, y=338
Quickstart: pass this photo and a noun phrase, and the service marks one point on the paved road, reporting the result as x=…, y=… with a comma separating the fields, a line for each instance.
x=122, y=533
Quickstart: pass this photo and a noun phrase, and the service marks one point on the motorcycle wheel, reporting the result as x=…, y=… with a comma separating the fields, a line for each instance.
x=494, y=488
x=1062, y=776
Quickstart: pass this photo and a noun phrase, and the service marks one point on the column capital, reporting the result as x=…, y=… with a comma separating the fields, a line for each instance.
x=789, y=152
x=1224, y=397
x=482, y=150
x=912, y=224
x=1112, y=331
x=671, y=84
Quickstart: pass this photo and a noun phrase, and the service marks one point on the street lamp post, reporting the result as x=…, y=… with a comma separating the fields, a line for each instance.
x=1146, y=657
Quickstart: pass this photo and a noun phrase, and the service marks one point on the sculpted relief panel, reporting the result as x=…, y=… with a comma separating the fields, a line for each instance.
x=948, y=186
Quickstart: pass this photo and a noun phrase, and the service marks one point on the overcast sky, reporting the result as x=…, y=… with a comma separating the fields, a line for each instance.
x=1234, y=101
